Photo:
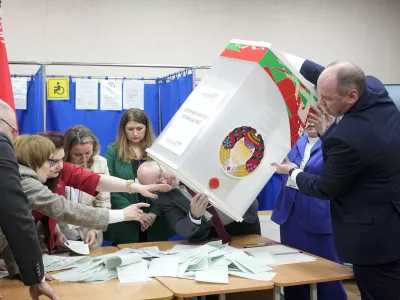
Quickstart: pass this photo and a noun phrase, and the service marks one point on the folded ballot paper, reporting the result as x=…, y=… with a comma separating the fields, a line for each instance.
x=246, y=113
x=212, y=262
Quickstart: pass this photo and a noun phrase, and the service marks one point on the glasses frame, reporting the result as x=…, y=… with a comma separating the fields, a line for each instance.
x=14, y=131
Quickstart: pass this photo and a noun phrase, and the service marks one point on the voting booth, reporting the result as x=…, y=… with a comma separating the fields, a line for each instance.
x=246, y=113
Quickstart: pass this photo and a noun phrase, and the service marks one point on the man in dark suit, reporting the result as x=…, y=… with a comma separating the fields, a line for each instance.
x=16, y=219
x=187, y=215
x=361, y=175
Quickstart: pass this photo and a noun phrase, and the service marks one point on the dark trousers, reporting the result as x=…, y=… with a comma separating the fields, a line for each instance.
x=238, y=228
x=378, y=282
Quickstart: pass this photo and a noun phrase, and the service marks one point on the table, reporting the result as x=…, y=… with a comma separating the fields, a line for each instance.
x=15, y=290
x=321, y=270
x=183, y=288
x=311, y=273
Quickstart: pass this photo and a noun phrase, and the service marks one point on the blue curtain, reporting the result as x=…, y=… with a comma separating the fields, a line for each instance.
x=30, y=121
x=173, y=94
x=269, y=194
x=61, y=114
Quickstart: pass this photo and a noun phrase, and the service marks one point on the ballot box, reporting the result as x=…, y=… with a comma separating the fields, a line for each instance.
x=246, y=113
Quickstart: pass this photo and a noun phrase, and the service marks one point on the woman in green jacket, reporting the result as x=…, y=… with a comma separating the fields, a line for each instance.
x=135, y=134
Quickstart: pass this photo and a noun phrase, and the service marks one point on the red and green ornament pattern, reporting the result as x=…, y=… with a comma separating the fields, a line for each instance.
x=297, y=96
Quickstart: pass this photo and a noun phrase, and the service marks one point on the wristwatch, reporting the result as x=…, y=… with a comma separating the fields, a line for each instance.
x=291, y=170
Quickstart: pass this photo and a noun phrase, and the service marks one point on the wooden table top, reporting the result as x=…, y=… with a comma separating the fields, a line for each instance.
x=190, y=288
x=15, y=290
x=321, y=270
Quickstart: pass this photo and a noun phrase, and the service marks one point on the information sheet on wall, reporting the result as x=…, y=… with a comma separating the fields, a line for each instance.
x=20, y=90
x=133, y=94
x=111, y=95
x=87, y=94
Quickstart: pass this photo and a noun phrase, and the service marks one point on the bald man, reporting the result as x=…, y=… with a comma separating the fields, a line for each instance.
x=361, y=175
x=16, y=221
x=187, y=215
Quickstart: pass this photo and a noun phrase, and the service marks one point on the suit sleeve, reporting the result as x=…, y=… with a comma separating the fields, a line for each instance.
x=341, y=168
x=80, y=179
x=58, y=207
x=16, y=219
x=179, y=219
x=311, y=71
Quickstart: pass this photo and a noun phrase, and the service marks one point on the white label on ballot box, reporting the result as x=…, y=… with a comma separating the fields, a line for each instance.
x=190, y=118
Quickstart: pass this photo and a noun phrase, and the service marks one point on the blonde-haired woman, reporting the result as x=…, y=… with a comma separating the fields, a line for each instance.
x=82, y=148
x=135, y=134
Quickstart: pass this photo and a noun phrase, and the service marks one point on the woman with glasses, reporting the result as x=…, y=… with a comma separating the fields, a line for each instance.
x=37, y=155
x=135, y=134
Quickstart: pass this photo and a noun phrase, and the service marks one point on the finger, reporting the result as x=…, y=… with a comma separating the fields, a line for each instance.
x=87, y=239
x=141, y=204
x=196, y=197
x=53, y=296
x=203, y=196
x=204, y=201
x=150, y=195
x=158, y=187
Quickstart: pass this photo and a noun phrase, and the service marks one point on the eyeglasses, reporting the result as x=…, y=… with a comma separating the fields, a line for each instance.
x=14, y=131
x=54, y=161
x=162, y=178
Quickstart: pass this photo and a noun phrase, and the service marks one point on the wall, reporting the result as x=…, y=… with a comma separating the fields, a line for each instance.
x=193, y=32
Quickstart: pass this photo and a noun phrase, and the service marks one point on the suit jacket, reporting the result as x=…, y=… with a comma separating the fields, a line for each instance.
x=128, y=232
x=58, y=207
x=176, y=207
x=314, y=214
x=74, y=176
x=16, y=220
x=361, y=176
x=46, y=202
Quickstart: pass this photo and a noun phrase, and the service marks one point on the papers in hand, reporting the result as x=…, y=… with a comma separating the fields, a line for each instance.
x=78, y=247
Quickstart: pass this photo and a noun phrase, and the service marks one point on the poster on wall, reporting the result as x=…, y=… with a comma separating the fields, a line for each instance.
x=111, y=95
x=20, y=91
x=87, y=94
x=246, y=113
x=133, y=94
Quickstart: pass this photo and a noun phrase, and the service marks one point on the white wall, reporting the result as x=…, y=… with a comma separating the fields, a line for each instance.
x=194, y=32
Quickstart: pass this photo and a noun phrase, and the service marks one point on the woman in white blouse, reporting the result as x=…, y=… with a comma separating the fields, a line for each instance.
x=82, y=148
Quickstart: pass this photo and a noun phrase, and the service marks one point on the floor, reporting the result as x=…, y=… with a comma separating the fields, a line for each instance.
x=352, y=290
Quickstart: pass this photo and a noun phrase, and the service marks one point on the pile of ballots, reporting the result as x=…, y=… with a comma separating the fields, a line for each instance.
x=212, y=262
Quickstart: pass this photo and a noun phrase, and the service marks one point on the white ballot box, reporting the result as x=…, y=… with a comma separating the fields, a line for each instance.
x=246, y=113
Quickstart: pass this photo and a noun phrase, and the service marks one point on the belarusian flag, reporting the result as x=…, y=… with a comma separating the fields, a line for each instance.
x=6, y=92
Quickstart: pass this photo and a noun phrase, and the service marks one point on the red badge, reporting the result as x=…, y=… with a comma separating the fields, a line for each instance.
x=213, y=183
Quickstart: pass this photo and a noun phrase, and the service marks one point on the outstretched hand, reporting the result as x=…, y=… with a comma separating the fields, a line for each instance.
x=146, y=190
x=284, y=167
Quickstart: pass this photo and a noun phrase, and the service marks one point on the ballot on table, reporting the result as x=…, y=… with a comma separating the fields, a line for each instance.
x=246, y=113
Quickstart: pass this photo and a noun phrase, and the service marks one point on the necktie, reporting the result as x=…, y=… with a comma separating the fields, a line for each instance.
x=216, y=222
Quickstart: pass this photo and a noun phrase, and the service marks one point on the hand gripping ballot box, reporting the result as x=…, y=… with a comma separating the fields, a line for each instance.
x=246, y=113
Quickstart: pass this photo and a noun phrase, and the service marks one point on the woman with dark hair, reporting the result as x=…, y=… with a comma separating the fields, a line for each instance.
x=135, y=135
